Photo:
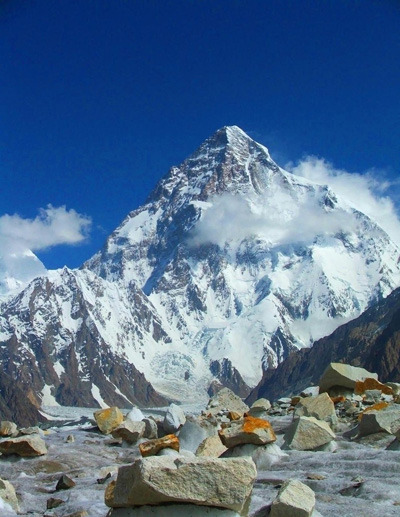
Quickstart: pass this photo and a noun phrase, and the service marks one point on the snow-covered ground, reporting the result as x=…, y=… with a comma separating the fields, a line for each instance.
x=92, y=455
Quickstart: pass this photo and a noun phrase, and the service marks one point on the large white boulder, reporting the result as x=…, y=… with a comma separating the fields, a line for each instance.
x=221, y=483
x=295, y=499
x=343, y=375
x=308, y=434
x=174, y=419
x=320, y=407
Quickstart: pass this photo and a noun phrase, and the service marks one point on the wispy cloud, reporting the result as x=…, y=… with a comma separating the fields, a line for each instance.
x=51, y=227
x=279, y=218
x=368, y=192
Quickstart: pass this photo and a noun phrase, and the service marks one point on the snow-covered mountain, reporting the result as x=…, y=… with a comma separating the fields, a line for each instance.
x=230, y=264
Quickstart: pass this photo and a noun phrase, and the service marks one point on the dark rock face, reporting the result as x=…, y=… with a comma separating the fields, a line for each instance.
x=371, y=341
x=15, y=404
x=227, y=377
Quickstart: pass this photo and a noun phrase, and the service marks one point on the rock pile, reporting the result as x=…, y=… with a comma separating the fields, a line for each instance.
x=207, y=464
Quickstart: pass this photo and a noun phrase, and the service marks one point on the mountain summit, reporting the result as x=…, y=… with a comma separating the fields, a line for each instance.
x=230, y=264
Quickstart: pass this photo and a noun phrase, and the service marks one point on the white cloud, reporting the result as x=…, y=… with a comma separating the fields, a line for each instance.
x=366, y=192
x=53, y=226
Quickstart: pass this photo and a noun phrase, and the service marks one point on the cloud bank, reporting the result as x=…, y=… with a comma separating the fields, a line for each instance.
x=53, y=226
x=279, y=219
x=366, y=192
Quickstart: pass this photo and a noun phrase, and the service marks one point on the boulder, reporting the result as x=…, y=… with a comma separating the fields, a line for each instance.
x=371, y=384
x=108, y=419
x=320, y=407
x=311, y=391
x=343, y=375
x=264, y=456
x=260, y=408
x=228, y=401
x=307, y=434
x=130, y=431
x=211, y=446
x=135, y=415
x=194, y=431
x=25, y=446
x=150, y=428
x=8, y=495
x=248, y=430
x=221, y=483
x=294, y=499
x=7, y=428
x=174, y=419
x=375, y=421
x=175, y=510
x=65, y=483
x=152, y=447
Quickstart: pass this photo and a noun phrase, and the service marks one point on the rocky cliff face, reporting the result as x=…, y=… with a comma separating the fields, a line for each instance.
x=231, y=264
x=371, y=341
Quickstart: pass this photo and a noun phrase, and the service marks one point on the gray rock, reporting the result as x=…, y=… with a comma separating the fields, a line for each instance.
x=320, y=407
x=135, y=415
x=174, y=419
x=8, y=495
x=150, y=428
x=311, y=391
x=25, y=446
x=8, y=428
x=222, y=483
x=307, y=434
x=343, y=375
x=226, y=400
x=295, y=499
x=175, y=510
x=374, y=421
x=130, y=431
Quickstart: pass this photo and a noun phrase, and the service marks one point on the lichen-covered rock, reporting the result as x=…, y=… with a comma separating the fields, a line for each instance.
x=343, y=375
x=174, y=419
x=307, y=434
x=222, y=483
x=320, y=407
x=152, y=447
x=386, y=418
x=25, y=446
x=371, y=384
x=8, y=495
x=248, y=430
x=130, y=431
x=108, y=419
x=295, y=499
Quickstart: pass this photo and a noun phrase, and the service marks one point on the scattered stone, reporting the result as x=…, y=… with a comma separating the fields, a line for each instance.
x=108, y=419
x=226, y=400
x=311, y=391
x=211, y=446
x=70, y=438
x=101, y=481
x=316, y=477
x=377, y=420
x=8, y=495
x=307, y=434
x=371, y=384
x=152, y=447
x=352, y=490
x=135, y=415
x=234, y=415
x=25, y=446
x=320, y=407
x=130, y=431
x=53, y=502
x=222, y=483
x=264, y=456
x=7, y=428
x=295, y=499
x=79, y=513
x=174, y=419
x=150, y=428
x=65, y=483
x=248, y=430
x=31, y=430
x=395, y=387
x=343, y=375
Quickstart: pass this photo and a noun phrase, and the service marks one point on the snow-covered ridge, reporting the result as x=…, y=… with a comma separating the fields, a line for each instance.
x=231, y=258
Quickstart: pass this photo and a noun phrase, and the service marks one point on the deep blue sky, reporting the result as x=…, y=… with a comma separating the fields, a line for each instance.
x=100, y=97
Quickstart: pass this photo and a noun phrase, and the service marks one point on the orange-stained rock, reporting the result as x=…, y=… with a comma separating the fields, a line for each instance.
x=295, y=400
x=108, y=419
x=375, y=407
x=151, y=447
x=371, y=384
x=338, y=399
x=109, y=494
x=247, y=430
